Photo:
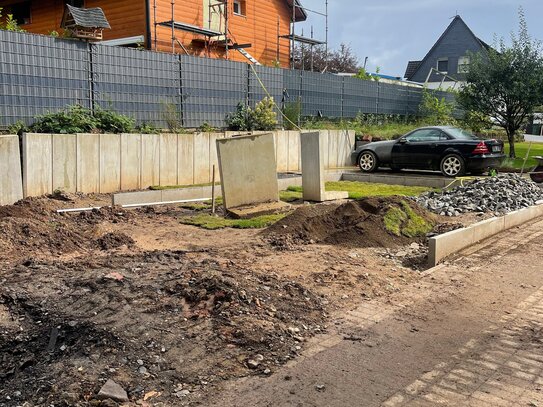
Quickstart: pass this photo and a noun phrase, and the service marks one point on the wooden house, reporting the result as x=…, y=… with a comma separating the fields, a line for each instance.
x=239, y=30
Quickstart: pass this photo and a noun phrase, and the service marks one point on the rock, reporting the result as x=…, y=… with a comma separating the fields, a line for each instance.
x=255, y=362
x=182, y=393
x=113, y=391
x=142, y=370
x=320, y=387
x=267, y=372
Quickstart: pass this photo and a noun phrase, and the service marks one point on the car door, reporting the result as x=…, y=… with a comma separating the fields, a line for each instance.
x=416, y=150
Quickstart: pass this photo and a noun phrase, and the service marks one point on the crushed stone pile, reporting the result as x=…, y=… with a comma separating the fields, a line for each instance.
x=501, y=194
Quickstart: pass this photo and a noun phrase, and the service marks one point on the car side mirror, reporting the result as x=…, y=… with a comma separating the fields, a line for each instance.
x=402, y=140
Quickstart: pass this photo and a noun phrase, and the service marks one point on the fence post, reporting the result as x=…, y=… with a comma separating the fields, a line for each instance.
x=342, y=97
x=378, y=97
x=91, y=77
x=181, y=109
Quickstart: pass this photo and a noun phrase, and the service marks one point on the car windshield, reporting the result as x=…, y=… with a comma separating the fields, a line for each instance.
x=461, y=134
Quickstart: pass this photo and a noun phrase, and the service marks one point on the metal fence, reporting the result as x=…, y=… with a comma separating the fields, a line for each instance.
x=41, y=74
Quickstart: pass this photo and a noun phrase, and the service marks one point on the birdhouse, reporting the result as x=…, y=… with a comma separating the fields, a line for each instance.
x=85, y=23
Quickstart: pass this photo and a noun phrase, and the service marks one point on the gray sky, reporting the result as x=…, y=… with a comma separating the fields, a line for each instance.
x=392, y=32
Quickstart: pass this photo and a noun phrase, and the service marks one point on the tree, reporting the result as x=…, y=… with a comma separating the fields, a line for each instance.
x=341, y=60
x=506, y=84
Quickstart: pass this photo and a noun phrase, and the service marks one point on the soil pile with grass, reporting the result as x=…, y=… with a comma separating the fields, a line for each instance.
x=373, y=222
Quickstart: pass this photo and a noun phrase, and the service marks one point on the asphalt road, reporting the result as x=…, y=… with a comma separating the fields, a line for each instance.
x=468, y=334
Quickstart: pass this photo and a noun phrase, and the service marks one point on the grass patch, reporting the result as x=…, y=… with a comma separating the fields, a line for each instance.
x=165, y=187
x=210, y=222
x=357, y=190
x=202, y=206
x=405, y=221
x=521, y=149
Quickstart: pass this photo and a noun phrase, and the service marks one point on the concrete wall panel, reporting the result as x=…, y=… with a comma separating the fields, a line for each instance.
x=213, y=157
x=37, y=164
x=201, y=158
x=185, y=159
x=130, y=161
x=65, y=162
x=313, y=166
x=294, y=151
x=281, y=148
x=333, y=148
x=168, y=159
x=110, y=163
x=88, y=163
x=150, y=160
x=248, y=170
x=11, y=180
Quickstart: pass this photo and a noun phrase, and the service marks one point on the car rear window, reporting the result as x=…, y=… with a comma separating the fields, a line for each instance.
x=461, y=134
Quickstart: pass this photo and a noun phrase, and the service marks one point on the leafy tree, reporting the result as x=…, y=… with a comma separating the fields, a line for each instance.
x=506, y=84
x=342, y=60
x=8, y=23
x=436, y=111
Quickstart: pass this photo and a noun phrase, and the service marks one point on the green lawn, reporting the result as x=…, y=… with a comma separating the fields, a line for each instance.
x=357, y=190
x=211, y=222
x=521, y=149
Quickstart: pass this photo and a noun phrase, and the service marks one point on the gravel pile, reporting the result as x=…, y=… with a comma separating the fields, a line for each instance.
x=501, y=194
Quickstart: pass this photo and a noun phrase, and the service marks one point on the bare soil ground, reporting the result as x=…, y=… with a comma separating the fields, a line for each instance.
x=166, y=310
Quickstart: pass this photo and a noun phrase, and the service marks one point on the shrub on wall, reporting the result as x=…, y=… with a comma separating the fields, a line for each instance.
x=262, y=117
x=78, y=119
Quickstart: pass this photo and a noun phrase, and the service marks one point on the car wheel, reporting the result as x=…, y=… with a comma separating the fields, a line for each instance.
x=453, y=165
x=367, y=161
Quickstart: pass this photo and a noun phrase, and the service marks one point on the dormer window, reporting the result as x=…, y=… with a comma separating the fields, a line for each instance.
x=443, y=65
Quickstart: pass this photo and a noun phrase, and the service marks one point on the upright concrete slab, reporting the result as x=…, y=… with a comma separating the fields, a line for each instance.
x=88, y=163
x=313, y=174
x=37, y=164
x=201, y=158
x=185, y=159
x=130, y=161
x=213, y=158
x=333, y=148
x=248, y=170
x=168, y=159
x=313, y=166
x=110, y=163
x=346, y=139
x=150, y=160
x=65, y=162
x=294, y=151
x=11, y=180
x=281, y=149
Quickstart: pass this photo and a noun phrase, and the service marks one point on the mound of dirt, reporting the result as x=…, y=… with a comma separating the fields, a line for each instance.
x=353, y=224
x=169, y=324
x=33, y=227
x=114, y=240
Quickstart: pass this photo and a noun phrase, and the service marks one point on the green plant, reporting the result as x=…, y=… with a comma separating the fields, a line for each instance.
x=17, y=128
x=240, y=119
x=476, y=121
x=405, y=221
x=263, y=117
x=211, y=222
x=147, y=128
x=435, y=110
x=172, y=117
x=292, y=112
x=75, y=119
x=362, y=74
x=10, y=24
x=205, y=127
x=110, y=121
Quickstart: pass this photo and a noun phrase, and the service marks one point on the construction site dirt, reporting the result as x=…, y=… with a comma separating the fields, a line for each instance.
x=171, y=312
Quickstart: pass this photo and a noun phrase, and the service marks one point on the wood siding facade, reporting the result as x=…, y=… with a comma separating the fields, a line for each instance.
x=263, y=22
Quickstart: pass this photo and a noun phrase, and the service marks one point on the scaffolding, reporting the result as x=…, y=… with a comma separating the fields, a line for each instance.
x=294, y=38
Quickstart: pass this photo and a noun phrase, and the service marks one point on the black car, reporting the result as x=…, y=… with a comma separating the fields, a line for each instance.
x=451, y=150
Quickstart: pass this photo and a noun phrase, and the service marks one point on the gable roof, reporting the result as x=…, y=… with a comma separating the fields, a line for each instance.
x=300, y=13
x=456, y=20
x=87, y=17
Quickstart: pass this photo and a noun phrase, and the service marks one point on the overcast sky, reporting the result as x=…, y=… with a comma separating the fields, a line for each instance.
x=392, y=32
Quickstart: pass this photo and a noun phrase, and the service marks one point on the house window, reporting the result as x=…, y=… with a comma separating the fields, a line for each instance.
x=463, y=65
x=239, y=7
x=21, y=13
x=443, y=65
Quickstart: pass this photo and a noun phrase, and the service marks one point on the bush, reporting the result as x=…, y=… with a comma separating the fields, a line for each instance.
x=112, y=122
x=262, y=117
x=172, y=117
x=78, y=119
x=147, y=128
x=436, y=111
x=293, y=112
